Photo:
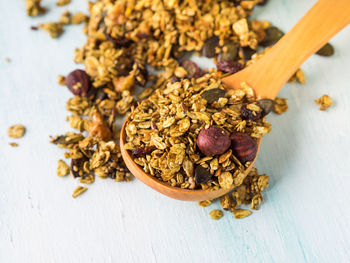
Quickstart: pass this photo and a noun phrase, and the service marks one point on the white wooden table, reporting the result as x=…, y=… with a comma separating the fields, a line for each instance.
x=305, y=216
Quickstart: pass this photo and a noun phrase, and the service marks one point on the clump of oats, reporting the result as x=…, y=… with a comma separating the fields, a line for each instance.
x=79, y=18
x=298, y=76
x=16, y=131
x=61, y=80
x=62, y=169
x=216, y=214
x=13, y=144
x=53, y=28
x=78, y=191
x=325, y=102
x=34, y=8
x=62, y=2
x=280, y=105
x=65, y=18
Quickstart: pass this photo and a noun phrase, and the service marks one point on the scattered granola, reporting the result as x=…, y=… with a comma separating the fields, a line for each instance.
x=16, y=131
x=65, y=18
x=78, y=191
x=8, y=60
x=241, y=213
x=280, y=106
x=13, y=144
x=216, y=214
x=325, y=102
x=204, y=203
x=61, y=80
x=192, y=143
x=79, y=18
x=34, y=8
x=53, y=28
x=62, y=2
x=62, y=169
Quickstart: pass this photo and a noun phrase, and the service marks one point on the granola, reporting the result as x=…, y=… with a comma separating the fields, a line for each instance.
x=216, y=214
x=180, y=138
x=62, y=2
x=78, y=191
x=281, y=106
x=325, y=102
x=53, y=28
x=16, y=131
x=34, y=8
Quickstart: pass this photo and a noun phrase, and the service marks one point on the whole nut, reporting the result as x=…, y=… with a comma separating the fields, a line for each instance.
x=78, y=82
x=213, y=141
x=98, y=128
x=243, y=147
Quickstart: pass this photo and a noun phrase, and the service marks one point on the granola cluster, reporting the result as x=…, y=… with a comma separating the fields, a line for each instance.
x=194, y=134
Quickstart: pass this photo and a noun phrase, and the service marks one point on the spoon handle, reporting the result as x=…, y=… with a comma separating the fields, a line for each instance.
x=268, y=75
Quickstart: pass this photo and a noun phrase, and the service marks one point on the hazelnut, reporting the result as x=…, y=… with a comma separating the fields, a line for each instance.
x=213, y=141
x=243, y=147
x=78, y=82
x=98, y=128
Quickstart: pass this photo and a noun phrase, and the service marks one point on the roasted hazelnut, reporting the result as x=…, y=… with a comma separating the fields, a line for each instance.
x=213, y=140
x=98, y=128
x=78, y=82
x=243, y=147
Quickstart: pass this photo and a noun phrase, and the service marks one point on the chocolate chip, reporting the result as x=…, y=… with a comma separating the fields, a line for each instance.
x=273, y=34
x=201, y=175
x=213, y=95
x=248, y=114
x=210, y=46
x=229, y=66
x=78, y=82
x=326, y=51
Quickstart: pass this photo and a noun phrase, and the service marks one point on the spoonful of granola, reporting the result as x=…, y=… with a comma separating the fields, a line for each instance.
x=198, y=138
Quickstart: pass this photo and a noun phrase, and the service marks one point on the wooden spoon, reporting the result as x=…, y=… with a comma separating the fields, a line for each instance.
x=267, y=76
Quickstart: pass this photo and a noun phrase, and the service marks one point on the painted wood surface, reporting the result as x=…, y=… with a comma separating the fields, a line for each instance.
x=305, y=216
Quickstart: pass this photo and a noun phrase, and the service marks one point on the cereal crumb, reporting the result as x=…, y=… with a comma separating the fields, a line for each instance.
x=62, y=2
x=65, y=18
x=204, y=203
x=34, y=8
x=53, y=28
x=16, y=131
x=78, y=191
x=13, y=144
x=280, y=106
x=241, y=213
x=216, y=214
x=325, y=102
x=79, y=18
x=8, y=60
x=62, y=169
x=61, y=80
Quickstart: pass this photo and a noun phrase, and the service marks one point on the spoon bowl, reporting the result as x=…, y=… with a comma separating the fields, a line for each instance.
x=266, y=76
x=166, y=189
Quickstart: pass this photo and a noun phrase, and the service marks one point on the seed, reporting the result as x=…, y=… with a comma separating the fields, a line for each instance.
x=326, y=51
x=266, y=106
x=230, y=53
x=78, y=82
x=201, y=175
x=247, y=52
x=213, y=95
x=209, y=47
x=273, y=34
